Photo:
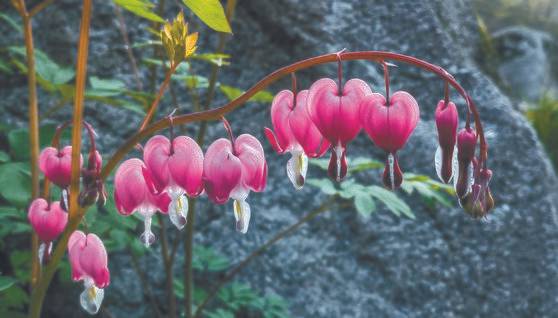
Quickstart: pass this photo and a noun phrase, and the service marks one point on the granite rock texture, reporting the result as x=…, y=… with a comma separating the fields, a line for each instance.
x=443, y=264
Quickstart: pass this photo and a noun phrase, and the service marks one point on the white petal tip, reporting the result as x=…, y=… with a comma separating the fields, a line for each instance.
x=91, y=299
x=242, y=216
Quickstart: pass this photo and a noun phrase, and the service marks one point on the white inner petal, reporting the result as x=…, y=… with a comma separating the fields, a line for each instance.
x=241, y=215
x=147, y=237
x=178, y=211
x=297, y=167
x=91, y=297
x=338, y=153
x=391, y=162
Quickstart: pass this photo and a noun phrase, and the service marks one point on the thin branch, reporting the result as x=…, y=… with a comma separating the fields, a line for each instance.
x=36, y=9
x=188, y=257
x=124, y=33
x=278, y=237
x=76, y=212
x=168, y=267
x=33, y=110
x=157, y=99
x=217, y=113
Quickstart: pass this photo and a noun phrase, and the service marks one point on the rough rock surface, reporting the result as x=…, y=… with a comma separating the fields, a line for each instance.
x=443, y=264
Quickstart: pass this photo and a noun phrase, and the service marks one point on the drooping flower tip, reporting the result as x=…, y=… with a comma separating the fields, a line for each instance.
x=47, y=220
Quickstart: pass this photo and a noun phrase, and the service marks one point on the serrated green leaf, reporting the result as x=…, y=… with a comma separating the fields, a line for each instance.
x=19, y=140
x=364, y=204
x=325, y=185
x=391, y=201
x=211, y=13
x=141, y=8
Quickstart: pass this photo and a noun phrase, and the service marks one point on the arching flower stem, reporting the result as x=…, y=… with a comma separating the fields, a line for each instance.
x=294, y=88
x=386, y=80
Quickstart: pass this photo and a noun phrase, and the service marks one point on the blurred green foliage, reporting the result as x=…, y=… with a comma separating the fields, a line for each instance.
x=544, y=117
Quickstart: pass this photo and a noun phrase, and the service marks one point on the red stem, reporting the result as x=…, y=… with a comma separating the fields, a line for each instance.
x=386, y=80
x=217, y=113
x=293, y=89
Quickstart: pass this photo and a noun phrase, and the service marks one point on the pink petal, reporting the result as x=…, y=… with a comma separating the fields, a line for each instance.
x=252, y=158
x=156, y=155
x=273, y=140
x=131, y=191
x=281, y=108
x=93, y=261
x=186, y=165
x=304, y=130
x=222, y=171
x=337, y=117
x=75, y=245
x=390, y=126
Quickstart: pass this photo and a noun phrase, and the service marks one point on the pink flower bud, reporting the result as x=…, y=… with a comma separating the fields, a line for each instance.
x=232, y=171
x=389, y=127
x=47, y=221
x=336, y=115
x=466, y=144
x=57, y=165
x=446, y=123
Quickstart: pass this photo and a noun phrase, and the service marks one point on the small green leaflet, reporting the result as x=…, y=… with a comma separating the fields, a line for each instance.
x=211, y=13
x=142, y=8
x=391, y=201
x=6, y=282
x=233, y=93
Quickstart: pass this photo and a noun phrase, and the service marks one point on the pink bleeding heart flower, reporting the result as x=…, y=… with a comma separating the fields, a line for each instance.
x=232, y=170
x=48, y=221
x=335, y=113
x=466, y=144
x=447, y=120
x=176, y=168
x=295, y=133
x=89, y=262
x=134, y=192
x=57, y=165
x=390, y=126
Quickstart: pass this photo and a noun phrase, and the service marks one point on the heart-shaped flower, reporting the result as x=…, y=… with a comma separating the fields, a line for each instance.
x=57, y=165
x=232, y=170
x=447, y=120
x=48, y=220
x=134, y=192
x=295, y=133
x=89, y=262
x=176, y=168
x=336, y=114
x=389, y=126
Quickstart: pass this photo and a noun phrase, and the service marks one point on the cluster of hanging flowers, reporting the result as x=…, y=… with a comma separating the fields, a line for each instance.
x=175, y=169
x=87, y=254
x=331, y=114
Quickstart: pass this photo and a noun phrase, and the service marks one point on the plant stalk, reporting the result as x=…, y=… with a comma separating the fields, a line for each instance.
x=33, y=110
x=168, y=267
x=188, y=257
x=75, y=211
x=158, y=97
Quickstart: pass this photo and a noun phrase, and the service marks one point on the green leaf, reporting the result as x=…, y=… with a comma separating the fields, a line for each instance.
x=391, y=201
x=15, y=183
x=220, y=313
x=207, y=259
x=46, y=68
x=362, y=164
x=6, y=282
x=14, y=298
x=11, y=22
x=211, y=13
x=213, y=58
x=320, y=163
x=325, y=185
x=5, y=67
x=364, y=204
x=19, y=140
x=233, y=93
x=4, y=157
x=142, y=8
x=105, y=87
